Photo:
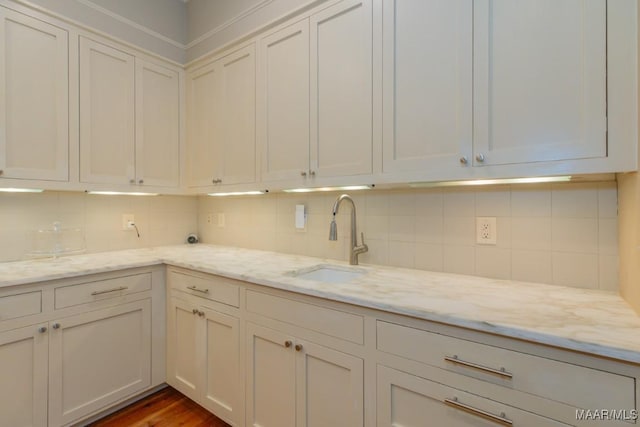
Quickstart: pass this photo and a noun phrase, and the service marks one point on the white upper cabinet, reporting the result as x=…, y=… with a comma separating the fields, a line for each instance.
x=539, y=80
x=157, y=125
x=341, y=89
x=221, y=109
x=283, y=103
x=34, y=99
x=107, y=114
x=129, y=119
x=427, y=86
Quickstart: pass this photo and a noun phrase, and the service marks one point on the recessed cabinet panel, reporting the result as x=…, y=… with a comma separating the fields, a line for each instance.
x=182, y=359
x=341, y=89
x=271, y=378
x=238, y=140
x=107, y=114
x=539, y=80
x=283, y=103
x=97, y=359
x=427, y=83
x=23, y=369
x=34, y=99
x=204, y=125
x=158, y=125
x=410, y=401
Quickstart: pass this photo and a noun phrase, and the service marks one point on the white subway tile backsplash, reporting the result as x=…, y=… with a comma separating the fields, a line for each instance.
x=401, y=254
x=429, y=203
x=531, y=233
x=459, y=230
x=429, y=257
x=531, y=201
x=459, y=259
x=608, y=279
x=608, y=200
x=575, y=269
x=430, y=229
x=402, y=228
x=493, y=202
x=574, y=200
x=578, y=235
x=608, y=236
x=531, y=266
x=493, y=262
x=459, y=203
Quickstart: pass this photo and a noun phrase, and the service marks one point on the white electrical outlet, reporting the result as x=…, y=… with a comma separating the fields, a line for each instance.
x=221, y=220
x=127, y=220
x=486, y=230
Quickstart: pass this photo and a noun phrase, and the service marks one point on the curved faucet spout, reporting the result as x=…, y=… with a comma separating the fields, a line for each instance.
x=355, y=250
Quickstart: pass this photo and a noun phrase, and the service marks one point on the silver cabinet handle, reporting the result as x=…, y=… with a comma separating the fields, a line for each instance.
x=132, y=181
x=216, y=181
x=312, y=173
x=1, y=172
x=500, y=372
x=298, y=347
x=303, y=173
x=56, y=326
x=141, y=181
x=288, y=343
x=463, y=160
x=498, y=419
x=480, y=158
x=193, y=288
x=42, y=329
x=121, y=288
x=201, y=313
x=194, y=311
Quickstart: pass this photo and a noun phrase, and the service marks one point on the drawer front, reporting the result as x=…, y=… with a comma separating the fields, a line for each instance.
x=574, y=385
x=84, y=293
x=20, y=305
x=408, y=400
x=327, y=321
x=215, y=288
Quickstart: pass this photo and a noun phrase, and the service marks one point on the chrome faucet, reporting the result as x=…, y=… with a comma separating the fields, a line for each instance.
x=354, y=250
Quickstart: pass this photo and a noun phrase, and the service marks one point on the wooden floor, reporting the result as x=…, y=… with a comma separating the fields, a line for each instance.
x=165, y=408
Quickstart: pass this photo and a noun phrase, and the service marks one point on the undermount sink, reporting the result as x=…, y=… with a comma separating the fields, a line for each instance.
x=329, y=273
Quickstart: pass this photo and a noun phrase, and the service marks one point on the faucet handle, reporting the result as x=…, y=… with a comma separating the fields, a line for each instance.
x=362, y=237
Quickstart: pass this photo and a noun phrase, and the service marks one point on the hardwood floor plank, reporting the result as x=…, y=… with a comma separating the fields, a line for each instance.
x=165, y=408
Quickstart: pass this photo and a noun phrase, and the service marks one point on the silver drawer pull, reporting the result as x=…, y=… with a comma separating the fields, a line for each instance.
x=193, y=288
x=121, y=288
x=498, y=419
x=500, y=372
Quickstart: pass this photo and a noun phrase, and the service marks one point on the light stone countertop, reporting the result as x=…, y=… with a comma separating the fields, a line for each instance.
x=595, y=322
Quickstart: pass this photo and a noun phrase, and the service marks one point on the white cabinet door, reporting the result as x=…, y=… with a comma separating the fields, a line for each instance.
x=220, y=365
x=410, y=401
x=539, y=80
x=182, y=357
x=271, y=378
x=23, y=369
x=238, y=104
x=107, y=116
x=427, y=84
x=157, y=125
x=341, y=89
x=98, y=358
x=330, y=387
x=283, y=104
x=204, y=125
x=34, y=99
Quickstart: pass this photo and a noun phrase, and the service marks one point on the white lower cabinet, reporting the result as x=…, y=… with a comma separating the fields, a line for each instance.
x=23, y=369
x=293, y=382
x=203, y=345
x=70, y=349
x=97, y=359
x=410, y=401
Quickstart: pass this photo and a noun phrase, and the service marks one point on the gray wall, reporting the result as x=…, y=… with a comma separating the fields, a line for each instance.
x=159, y=26
x=214, y=23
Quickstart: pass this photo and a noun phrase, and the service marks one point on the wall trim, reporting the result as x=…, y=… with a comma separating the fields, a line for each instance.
x=133, y=24
x=224, y=25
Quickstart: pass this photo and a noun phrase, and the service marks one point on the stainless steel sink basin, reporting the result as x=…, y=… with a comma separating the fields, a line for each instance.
x=329, y=273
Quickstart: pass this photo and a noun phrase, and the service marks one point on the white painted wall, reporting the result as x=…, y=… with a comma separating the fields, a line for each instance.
x=214, y=23
x=159, y=26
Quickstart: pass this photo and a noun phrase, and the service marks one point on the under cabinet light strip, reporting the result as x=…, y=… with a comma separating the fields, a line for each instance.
x=120, y=193
x=345, y=188
x=531, y=180
x=20, y=190
x=237, y=193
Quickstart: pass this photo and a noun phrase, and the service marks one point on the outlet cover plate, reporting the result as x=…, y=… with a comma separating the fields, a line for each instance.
x=486, y=230
x=126, y=218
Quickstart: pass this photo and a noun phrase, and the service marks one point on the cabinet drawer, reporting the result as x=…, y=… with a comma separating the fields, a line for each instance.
x=14, y=306
x=83, y=293
x=574, y=385
x=327, y=321
x=215, y=288
x=408, y=400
